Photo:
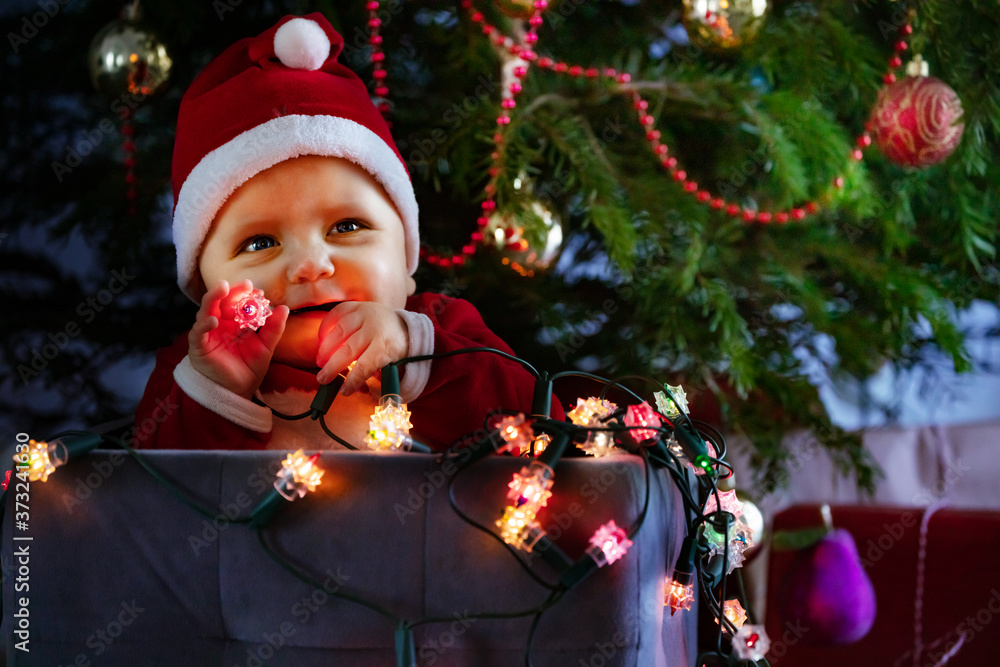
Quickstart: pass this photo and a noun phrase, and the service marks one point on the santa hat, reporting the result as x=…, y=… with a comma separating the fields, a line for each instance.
x=267, y=99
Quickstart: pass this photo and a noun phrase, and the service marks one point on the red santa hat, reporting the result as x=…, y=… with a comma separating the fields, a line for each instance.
x=267, y=99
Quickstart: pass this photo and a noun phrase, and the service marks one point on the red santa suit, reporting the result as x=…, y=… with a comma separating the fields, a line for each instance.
x=448, y=398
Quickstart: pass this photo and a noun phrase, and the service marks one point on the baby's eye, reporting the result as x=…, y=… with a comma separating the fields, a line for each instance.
x=346, y=227
x=258, y=243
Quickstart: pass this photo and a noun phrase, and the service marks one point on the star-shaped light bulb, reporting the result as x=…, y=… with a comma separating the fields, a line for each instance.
x=389, y=427
x=595, y=412
x=678, y=596
x=41, y=459
x=298, y=475
x=541, y=441
x=516, y=434
x=600, y=443
x=642, y=415
x=518, y=527
x=740, y=539
x=751, y=642
x=591, y=411
x=730, y=503
x=734, y=611
x=667, y=407
x=38, y=459
x=531, y=486
x=608, y=544
x=252, y=309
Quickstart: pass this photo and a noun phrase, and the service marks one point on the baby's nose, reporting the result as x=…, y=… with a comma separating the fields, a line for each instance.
x=310, y=266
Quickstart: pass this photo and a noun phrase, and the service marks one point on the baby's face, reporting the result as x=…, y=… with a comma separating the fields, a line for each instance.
x=310, y=231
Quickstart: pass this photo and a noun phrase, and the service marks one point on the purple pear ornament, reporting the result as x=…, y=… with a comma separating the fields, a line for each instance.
x=828, y=592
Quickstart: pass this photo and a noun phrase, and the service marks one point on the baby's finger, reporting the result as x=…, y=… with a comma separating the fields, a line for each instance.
x=204, y=325
x=341, y=315
x=368, y=363
x=210, y=302
x=334, y=339
x=274, y=327
x=198, y=337
x=340, y=360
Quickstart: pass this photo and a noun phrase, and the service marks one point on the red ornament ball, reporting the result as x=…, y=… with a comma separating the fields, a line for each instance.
x=916, y=121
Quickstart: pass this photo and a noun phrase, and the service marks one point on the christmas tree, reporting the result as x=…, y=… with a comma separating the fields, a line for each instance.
x=718, y=195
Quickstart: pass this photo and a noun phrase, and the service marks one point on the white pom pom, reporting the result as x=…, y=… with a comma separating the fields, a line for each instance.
x=301, y=44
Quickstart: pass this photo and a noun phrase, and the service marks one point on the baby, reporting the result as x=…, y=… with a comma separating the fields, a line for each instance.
x=286, y=180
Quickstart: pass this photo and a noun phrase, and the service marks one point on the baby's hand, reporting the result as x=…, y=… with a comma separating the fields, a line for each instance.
x=362, y=331
x=219, y=349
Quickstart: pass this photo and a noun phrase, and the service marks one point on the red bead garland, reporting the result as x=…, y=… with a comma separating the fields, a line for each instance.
x=660, y=150
x=379, y=73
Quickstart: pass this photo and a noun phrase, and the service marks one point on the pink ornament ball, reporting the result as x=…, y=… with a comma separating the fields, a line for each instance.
x=916, y=121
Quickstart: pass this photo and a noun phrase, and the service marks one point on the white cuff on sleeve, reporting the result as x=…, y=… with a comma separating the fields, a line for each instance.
x=417, y=374
x=220, y=400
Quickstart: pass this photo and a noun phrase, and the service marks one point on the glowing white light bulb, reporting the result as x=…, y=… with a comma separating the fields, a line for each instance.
x=389, y=428
x=41, y=459
x=298, y=475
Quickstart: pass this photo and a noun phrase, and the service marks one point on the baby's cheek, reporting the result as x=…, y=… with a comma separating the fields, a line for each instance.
x=300, y=342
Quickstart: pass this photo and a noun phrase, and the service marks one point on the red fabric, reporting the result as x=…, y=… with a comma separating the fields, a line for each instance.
x=961, y=590
x=461, y=392
x=246, y=86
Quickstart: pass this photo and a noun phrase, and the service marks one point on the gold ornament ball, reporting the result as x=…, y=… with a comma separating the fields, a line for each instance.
x=125, y=58
x=723, y=25
x=508, y=234
x=517, y=9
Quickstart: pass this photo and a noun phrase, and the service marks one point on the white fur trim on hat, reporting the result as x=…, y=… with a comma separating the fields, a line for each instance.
x=301, y=44
x=219, y=173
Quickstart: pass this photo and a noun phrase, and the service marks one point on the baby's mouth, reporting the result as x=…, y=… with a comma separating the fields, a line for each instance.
x=323, y=307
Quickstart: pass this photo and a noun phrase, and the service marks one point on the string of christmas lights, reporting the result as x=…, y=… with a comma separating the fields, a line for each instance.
x=665, y=438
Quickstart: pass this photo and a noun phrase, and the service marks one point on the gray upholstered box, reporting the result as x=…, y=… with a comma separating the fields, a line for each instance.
x=120, y=572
